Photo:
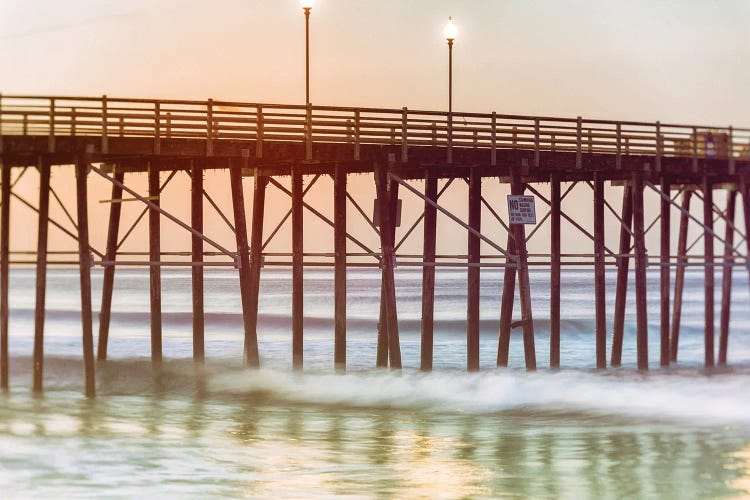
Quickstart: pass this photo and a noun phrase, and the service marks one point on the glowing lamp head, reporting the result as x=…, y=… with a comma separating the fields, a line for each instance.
x=307, y=4
x=450, y=30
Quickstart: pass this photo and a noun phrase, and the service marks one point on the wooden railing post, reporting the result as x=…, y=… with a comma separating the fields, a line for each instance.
x=434, y=134
x=515, y=136
x=259, y=132
x=157, y=128
x=356, y=134
x=536, y=142
x=579, y=131
x=449, y=149
x=73, y=122
x=730, y=151
x=25, y=124
x=122, y=126
x=493, y=153
x=658, y=147
x=105, y=140
x=209, y=125
x=591, y=141
x=695, y=149
x=308, y=133
x=51, y=143
x=168, y=133
x=404, y=135
x=618, y=157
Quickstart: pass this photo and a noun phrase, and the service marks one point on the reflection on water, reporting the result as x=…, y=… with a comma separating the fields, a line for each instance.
x=200, y=444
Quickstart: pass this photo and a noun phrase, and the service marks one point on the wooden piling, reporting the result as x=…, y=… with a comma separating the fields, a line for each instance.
x=708, y=270
x=679, y=278
x=664, y=271
x=108, y=279
x=4, y=273
x=506, y=304
x=726, y=277
x=84, y=266
x=297, y=268
x=640, y=273
x=339, y=279
x=387, y=230
x=600, y=303
x=41, y=273
x=250, y=314
x=524, y=288
x=196, y=222
x=555, y=251
x=746, y=212
x=622, y=275
x=383, y=349
x=154, y=248
x=428, y=272
x=473, y=277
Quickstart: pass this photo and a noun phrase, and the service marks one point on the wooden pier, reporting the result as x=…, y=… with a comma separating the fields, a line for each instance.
x=115, y=138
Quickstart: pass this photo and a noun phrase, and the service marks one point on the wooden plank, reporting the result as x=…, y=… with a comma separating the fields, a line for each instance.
x=679, y=279
x=555, y=286
x=84, y=265
x=428, y=272
x=297, y=269
x=473, y=277
x=708, y=271
x=41, y=274
x=196, y=222
x=154, y=248
x=339, y=278
x=108, y=279
x=726, y=278
x=600, y=303
x=640, y=273
x=664, y=272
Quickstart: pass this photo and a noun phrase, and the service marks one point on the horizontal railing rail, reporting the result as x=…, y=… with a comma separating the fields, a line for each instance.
x=260, y=122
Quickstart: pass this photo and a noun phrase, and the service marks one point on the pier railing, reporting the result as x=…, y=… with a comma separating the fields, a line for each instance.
x=223, y=120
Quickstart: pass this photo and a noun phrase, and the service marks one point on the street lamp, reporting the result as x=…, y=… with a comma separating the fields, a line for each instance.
x=450, y=33
x=307, y=6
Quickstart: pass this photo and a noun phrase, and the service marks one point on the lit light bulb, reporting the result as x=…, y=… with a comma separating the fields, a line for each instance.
x=307, y=4
x=450, y=30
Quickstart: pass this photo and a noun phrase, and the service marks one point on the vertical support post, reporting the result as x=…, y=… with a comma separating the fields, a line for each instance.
x=524, y=288
x=730, y=152
x=249, y=265
x=308, y=132
x=623, y=263
x=4, y=274
x=472, y=292
x=157, y=128
x=51, y=141
x=641, y=260
x=555, y=251
x=659, y=146
x=679, y=279
x=196, y=222
x=84, y=264
x=108, y=280
x=339, y=241
x=506, y=303
x=297, y=268
x=708, y=269
x=726, y=277
x=154, y=250
x=428, y=271
x=41, y=273
x=73, y=122
x=356, y=134
x=536, y=142
x=664, y=270
x=387, y=230
x=695, y=150
x=579, y=138
x=599, y=277
x=252, y=358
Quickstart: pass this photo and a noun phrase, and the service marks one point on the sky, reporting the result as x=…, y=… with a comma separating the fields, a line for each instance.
x=675, y=61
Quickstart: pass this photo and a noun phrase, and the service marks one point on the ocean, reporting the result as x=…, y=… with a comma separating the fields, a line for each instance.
x=220, y=430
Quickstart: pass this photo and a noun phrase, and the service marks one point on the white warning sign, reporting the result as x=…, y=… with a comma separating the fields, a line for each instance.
x=521, y=209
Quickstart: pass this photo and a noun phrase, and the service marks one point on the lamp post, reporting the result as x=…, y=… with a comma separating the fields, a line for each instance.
x=307, y=6
x=450, y=32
